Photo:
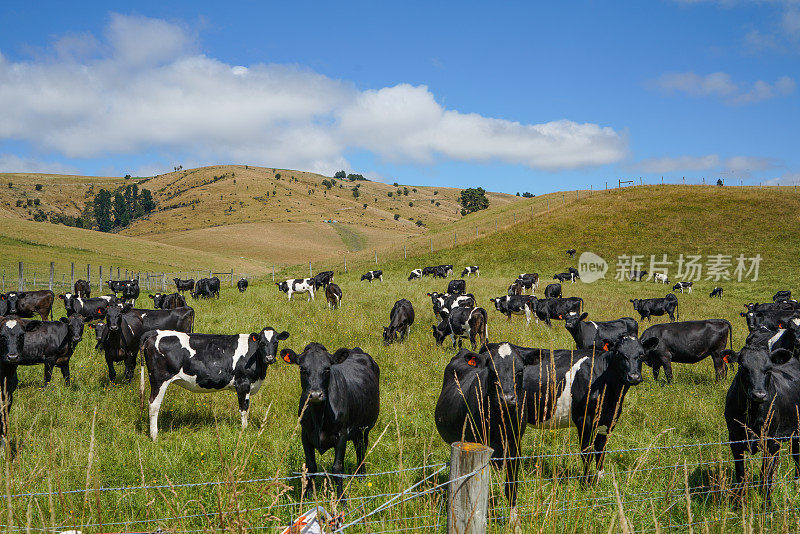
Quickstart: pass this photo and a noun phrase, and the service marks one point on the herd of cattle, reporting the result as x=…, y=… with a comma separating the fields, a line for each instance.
x=488, y=396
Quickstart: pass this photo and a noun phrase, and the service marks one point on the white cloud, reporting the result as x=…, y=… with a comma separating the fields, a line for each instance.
x=678, y=163
x=14, y=163
x=146, y=86
x=720, y=84
x=744, y=165
x=789, y=178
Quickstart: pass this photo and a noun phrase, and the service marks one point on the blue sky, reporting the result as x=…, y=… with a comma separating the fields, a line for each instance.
x=511, y=97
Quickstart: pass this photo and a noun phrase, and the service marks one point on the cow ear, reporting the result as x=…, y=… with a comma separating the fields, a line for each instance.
x=127, y=308
x=289, y=356
x=584, y=315
x=730, y=356
x=742, y=314
x=341, y=355
x=283, y=335
x=254, y=337
x=33, y=325
x=780, y=356
x=650, y=343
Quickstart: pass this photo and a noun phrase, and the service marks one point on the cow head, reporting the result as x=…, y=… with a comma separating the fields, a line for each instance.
x=158, y=300
x=265, y=344
x=389, y=336
x=505, y=367
x=315, y=364
x=100, y=331
x=12, y=338
x=114, y=315
x=12, y=302
x=572, y=319
x=498, y=302
x=282, y=286
x=627, y=354
x=756, y=363
x=441, y=331
x=75, y=324
x=635, y=303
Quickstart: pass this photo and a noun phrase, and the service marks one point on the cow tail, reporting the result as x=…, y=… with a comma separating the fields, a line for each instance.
x=485, y=326
x=678, y=311
x=581, y=305
x=730, y=333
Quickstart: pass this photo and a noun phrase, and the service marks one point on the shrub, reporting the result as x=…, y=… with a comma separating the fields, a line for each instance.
x=410, y=204
x=396, y=216
x=473, y=199
x=38, y=187
x=419, y=223
x=36, y=201
x=390, y=194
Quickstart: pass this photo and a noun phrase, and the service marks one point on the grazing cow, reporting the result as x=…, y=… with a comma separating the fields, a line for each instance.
x=782, y=296
x=660, y=278
x=242, y=284
x=184, y=285
x=297, y=285
x=584, y=389
x=680, y=286
x=400, y=320
x=443, y=303
x=594, y=334
x=552, y=291
x=457, y=287
x=340, y=402
x=168, y=302
x=29, y=303
x=91, y=309
x=688, y=342
x=372, y=275
x=441, y=271
x=716, y=292
x=657, y=307
x=531, y=280
x=429, y=271
x=771, y=319
x=482, y=401
x=563, y=277
x=636, y=276
x=471, y=270
x=555, y=308
x=515, y=289
x=333, y=294
x=83, y=289
x=206, y=288
x=322, y=279
x=516, y=304
x=52, y=343
x=761, y=409
x=571, y=252
x=461, y=323
x=12, y=338
x=204, y=363
x=521, y=284
x=416, y=273
x=446, y=269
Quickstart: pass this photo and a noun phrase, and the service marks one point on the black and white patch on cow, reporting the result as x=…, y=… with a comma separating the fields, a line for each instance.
x=473, y=269
x=297, y=285
x=660, y=278
x=333, y=294
x=514, y=305
x=463, y=323
x=91, y=309
x=372, y=275
x=415, y=274
x=683, y=286
x=242, y=284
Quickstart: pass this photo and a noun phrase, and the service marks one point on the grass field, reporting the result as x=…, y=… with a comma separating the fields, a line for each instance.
x=93, y=434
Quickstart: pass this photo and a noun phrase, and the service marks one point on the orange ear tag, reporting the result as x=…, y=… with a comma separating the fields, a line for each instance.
x=253, y=338
x=725, y=359
x=605, y=347
x=473, y=362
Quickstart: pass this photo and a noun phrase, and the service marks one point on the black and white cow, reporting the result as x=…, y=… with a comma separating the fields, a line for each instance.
x=446, y=269
x=482, y=401
x=552, y=291
x=770, y=306
x=323, y=279
x=340, y=402
x=563, y=277
x=168, y=302
x=571, y=252
x=116, y=286
x=458, y=287
x=555, y=308
x=429, y=271
x=782, y=296
x=242, y=284
x=576, y=275
x=184, y=285
x=204, y=363
x=584, y=389
x=131, y=292
x=52, y=343
x=761, y=409
x=333, y=294
x=681, y=286
x=657, y=307
x=12, y=339
x=716, y=292
x=415, y=273
x=772, y=319
x=688, y=342
x=83, y=289
x=91, y=309
x=372, y=275
x=636, y=276
x=525, y=281
x=206, y=288
x=400, y=320
x=443, y=303
x=514, y=304
x=29, y=303
x=463, y=323
x=297, y=285
x=473, y=269
x=660, y=278
x=595, y=334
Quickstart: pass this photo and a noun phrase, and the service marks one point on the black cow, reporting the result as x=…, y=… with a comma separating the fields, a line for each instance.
x=242, y=284
x=184, y=285
x=83, y=289
x=131, y=292
x=29, y=303
x=771, y=319
x=205, y=363
x=462, y=323
x=168, y=302
x=657, y=307
x=446, y=269
x=340, y=402
x=555, y=308
x=297, y=285
x=429, y=271
x=206, y=288
x=400, y=320
x=372, y=275
x=117, y=285
x=584, y=389
x=12, y=339
x=770, y=306
x=636, y=276
x=563, y=277
x=571, y=252
x=415, y=273
x=52, y=343
x=514, y=304
x=457, y=287
x=333, y=294
x=471, y=270
x=716, y=292
x=441, y=271
x=522, y=283
x=595, y=334
x=680, y=286
x=482, y=401
x=443, y=303
x=91, y=309
x=782, y=296
x=688, y=342
x=99, y=334
x=552, y=291
x=323, y=279
x=761, y=409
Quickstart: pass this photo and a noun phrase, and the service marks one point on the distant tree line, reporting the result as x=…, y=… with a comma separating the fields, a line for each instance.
x=119, y=210
x=341, y=175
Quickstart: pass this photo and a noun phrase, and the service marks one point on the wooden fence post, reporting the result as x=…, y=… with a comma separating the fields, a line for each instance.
x=468, y=493
x=52, y=273
x=455, y=238
x=164, y=281
x=21, y=277
x=72, y=275
x=100, y=281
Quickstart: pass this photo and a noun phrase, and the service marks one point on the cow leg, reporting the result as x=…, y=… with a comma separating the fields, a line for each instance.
x=112, y=373
x=737, y=451
x=48, y=373
x=794, y=451
x=720, y=367
x=360, y=442
x=243, y=393
x=156, y=398
x=65, y=372
x=768, y=464
x=338, y=464
x=311, y=463
x=130, y=365
x=668, y=368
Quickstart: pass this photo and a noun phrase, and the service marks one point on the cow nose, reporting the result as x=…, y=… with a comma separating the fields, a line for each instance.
x=634, y=378
x=510, y=399
x=316, y=397
x=759, y=395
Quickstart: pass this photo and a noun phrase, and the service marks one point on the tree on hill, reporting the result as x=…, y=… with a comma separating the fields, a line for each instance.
x=121, y=215
x=102, y=211
x=147, y=202
x=473, y=199
x=341, y=175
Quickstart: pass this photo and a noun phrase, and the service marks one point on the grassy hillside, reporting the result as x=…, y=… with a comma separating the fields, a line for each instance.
x=200, y=438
